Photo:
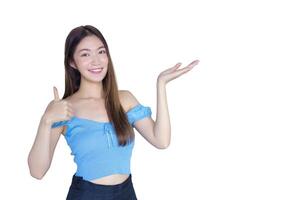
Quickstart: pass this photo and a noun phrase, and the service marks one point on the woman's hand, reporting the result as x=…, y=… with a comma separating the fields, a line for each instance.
x=57, y=109
x=172, y=73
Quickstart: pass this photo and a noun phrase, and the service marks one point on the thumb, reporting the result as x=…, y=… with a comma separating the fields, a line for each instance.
x=56, y=97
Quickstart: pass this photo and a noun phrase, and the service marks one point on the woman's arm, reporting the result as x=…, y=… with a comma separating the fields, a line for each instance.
x=158, y=132
x=162, y=125
x=40, y=155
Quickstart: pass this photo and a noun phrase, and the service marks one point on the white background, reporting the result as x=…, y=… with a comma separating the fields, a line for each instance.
x=235, y=116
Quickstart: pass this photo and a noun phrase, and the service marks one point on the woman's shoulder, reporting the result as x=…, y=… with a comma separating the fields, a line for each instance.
x=74, y=100
x=128, y=100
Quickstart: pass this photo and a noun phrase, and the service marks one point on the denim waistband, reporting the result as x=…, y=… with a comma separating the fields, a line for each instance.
x=79, y=183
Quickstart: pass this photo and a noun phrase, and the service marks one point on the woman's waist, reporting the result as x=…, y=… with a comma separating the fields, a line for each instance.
x=113, y=179
x=109, y=183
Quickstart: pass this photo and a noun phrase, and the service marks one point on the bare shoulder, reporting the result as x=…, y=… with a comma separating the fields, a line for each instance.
x=128, y=100
x=70, y=99
x=75, y=102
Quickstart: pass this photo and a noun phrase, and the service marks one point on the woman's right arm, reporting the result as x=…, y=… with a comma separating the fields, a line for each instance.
x=41, y=153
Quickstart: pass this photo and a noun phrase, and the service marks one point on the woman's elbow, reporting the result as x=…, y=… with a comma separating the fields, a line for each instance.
x=36, y=171
x=163, y=145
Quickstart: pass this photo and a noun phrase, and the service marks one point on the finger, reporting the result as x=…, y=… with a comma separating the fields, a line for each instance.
x=69, y=104
x=192, y=64
x=176, y=66
x=70, y=110
x=70, y=114
x=70, y=107
x=181, y=71
x=173, y=68
x=56, y=96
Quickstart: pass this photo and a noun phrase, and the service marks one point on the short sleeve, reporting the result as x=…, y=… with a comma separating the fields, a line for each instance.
x=138, y=112
x=59, y=123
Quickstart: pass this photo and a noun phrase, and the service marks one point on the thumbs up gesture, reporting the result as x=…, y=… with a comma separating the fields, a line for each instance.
x=58, y=109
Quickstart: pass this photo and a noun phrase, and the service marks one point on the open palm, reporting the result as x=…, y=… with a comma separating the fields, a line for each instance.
x=173, y=72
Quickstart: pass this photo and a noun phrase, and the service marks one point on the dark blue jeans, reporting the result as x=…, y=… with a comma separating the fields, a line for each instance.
x=81, y=189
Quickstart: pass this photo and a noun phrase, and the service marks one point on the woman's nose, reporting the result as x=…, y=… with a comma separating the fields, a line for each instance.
x=96, y=59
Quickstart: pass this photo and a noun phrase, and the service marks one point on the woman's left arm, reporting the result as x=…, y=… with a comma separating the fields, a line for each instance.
x=162, y=125
x=158, y=133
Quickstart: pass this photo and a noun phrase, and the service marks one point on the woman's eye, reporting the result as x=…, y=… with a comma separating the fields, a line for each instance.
x=85, y=54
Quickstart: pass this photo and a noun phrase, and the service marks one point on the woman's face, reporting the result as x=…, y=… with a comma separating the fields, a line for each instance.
x=91, y=59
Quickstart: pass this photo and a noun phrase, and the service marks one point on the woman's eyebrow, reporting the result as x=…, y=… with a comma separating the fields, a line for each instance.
x=89, y=49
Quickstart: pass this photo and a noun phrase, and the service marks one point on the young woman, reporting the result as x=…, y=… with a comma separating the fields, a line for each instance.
x=97, y=120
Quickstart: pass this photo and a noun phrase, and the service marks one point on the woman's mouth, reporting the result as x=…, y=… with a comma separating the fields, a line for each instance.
x=96, y=70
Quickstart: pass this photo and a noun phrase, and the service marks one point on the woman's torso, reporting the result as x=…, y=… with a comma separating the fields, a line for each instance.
x=94, y=109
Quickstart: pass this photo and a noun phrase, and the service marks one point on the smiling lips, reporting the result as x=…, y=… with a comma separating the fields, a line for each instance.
x=96, y=70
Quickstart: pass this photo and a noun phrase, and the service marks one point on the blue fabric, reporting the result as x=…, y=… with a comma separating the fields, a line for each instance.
x=95, y=147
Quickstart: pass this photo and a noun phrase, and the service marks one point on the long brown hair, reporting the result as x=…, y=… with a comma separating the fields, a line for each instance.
x=115, y=111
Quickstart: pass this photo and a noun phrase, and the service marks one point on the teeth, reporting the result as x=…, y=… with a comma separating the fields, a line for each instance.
x=95, y=70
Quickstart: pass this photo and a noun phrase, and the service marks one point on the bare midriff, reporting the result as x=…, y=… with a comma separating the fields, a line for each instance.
x=111, y=179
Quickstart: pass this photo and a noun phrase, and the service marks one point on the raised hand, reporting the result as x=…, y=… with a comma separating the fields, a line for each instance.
x=172, y=73
x=58, y=109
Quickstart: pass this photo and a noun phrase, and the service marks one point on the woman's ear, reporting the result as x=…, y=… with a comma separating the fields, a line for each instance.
x=72, y=64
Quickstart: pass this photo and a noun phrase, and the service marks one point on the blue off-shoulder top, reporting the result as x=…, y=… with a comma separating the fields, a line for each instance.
x=95, y=147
